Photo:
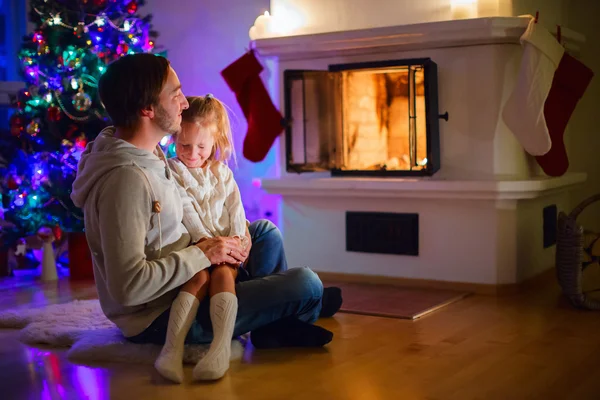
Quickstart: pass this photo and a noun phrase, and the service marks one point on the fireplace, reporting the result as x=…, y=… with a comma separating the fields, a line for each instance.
x=374, y=183
x=368, y=118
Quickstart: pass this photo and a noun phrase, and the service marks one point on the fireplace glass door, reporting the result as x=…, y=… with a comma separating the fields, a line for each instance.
x=376, y=118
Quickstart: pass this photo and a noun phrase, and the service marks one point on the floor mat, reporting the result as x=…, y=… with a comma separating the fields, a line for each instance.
x=393, y=301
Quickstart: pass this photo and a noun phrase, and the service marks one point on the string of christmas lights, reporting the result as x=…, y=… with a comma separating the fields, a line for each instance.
x=59, y=111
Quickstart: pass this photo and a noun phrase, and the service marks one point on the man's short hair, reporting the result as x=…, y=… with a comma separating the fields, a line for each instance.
x=131, y=84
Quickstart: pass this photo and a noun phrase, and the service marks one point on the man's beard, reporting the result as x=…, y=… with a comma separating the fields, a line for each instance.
x=164, y=121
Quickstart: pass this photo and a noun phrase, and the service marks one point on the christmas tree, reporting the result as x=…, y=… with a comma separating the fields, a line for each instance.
x=59, y=110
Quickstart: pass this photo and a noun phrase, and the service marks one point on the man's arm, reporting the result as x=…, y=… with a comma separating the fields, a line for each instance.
x=124, y=212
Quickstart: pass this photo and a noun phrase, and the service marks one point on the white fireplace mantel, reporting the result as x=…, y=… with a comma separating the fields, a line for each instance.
x=466, y=32
x=422, y=188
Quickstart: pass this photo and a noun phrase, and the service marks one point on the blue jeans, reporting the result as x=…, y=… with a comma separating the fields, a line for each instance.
x=268, y=292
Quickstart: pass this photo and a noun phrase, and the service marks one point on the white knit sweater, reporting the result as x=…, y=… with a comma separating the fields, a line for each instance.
x=212, y=205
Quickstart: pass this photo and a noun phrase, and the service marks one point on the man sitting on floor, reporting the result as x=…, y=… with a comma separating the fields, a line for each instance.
x=141, y=251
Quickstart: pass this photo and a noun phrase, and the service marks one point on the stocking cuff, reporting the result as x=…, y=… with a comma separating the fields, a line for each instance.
x=236, y=73
x=538, y=36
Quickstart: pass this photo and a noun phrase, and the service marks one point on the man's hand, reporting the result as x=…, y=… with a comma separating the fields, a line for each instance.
x=221, y=250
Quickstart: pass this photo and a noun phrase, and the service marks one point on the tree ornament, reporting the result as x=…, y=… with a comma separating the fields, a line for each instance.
x=38, y=37
x=13, y=183
x=122, y=48
x=80, y=29
x=43, y=49
x=57, y=232
x=132, y=7
x=81, y=141
x=16, y=125
x=54, y=114
x=81, y=100
x=33, y=128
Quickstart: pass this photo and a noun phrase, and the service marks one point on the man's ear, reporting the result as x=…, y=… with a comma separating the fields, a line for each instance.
x=147, y=112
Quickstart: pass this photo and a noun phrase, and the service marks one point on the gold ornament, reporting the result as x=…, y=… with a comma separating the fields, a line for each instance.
x=80, y=29
x=33, y=128
x=43, y=49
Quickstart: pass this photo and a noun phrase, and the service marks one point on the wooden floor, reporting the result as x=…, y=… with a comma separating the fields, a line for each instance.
x=527, y=346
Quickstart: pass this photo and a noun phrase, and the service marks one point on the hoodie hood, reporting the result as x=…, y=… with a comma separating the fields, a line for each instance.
x=106, y=153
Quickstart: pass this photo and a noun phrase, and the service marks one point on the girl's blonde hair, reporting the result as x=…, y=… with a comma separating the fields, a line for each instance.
x=207, y=110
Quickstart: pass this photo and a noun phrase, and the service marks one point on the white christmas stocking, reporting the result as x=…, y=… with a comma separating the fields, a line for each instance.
x=524, y=111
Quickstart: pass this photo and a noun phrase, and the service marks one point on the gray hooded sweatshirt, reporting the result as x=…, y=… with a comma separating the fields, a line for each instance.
x=133, y=223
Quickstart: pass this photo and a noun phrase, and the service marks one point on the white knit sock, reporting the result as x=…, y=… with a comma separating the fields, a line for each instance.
x=524, y=109
x=183, y=312
x=223, y=311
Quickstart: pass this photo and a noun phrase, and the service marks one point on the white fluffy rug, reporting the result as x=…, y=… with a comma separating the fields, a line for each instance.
x=82, y=326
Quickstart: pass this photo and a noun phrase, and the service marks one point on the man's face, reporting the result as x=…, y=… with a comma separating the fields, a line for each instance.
x=171, y=103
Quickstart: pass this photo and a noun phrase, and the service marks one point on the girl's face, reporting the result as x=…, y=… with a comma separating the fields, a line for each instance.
x=194, y=144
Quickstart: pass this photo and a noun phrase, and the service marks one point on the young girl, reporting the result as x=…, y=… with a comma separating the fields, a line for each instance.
x=212, y=207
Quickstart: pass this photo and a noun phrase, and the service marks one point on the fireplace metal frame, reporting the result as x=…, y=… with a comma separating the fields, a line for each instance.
x=431, y=118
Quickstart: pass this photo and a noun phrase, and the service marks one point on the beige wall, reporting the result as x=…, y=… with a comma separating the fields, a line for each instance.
x=551, y=11
x=584, y=127
x=316, y=16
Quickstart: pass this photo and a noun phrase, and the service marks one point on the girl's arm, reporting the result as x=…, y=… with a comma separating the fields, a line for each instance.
x=191, y=219
x=233, y=204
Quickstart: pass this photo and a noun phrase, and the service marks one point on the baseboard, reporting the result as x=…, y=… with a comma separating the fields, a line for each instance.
x=477, y=288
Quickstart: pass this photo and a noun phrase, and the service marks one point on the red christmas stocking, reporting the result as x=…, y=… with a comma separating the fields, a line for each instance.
x=264, y=120
x=570, y=81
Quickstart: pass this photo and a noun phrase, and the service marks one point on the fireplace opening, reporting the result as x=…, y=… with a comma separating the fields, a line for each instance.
x=376, y=118
x=384, y=121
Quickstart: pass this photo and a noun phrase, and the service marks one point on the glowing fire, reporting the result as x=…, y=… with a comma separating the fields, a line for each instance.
x=384, y=121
